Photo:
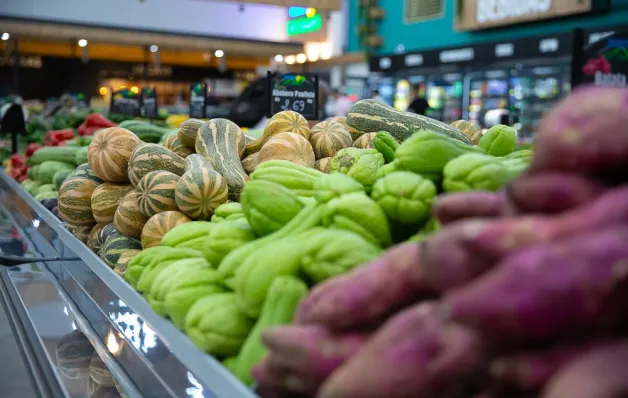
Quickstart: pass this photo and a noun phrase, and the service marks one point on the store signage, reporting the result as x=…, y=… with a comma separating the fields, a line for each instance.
x=606, y=61
x=150, y=107
x=504, y=50
x=81, y=100
x=198, y=100
x=385, y=63
x=305, y=25
x=293, y=92
x=483, y=14
x=414, y=60
x=125, y=102
x=458, y=55
x=549, y=45
x=29, y=61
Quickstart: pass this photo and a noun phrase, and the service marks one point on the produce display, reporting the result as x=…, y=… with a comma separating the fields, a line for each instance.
x=381, y=255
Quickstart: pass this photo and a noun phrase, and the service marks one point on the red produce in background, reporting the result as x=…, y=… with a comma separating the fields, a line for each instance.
x=93, y=122
x=30, y=149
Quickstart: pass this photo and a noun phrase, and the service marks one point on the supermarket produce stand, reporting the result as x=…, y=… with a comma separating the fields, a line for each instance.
x=145, y=353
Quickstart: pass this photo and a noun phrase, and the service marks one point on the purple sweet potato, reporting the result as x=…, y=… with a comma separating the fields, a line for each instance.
x=301, y=357
x=457, y=206
x=586, y=133
x=551, y=192
x=413, y=355
x=541, y=291
x=599, y=373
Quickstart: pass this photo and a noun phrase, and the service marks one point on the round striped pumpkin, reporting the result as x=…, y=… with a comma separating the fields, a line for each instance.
x=109, y=152
x=188, y=131
x=323, y=165
x=365, y=141
x=105, y=200
x=75, y=201
x=86, y=172
x=116, y=245
x=128, y=218
x=282, y=122
x=159, y=225
x=156, y=192
x=195, y=161
x=288, y=146
x=199, y=191
x=104, y=233
x=80, y=232
x=329, y=137
x=355, y=134
x=175, y=145
x=124, y=260
x=151, y=157
x=470, y=129
x=92, y=238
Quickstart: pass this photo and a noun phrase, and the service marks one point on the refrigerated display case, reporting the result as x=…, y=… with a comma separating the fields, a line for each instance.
x=486, y=91
x=65, y=288
x=444, y=94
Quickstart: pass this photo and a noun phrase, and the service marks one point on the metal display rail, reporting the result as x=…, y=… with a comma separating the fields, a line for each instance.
x=145, y=352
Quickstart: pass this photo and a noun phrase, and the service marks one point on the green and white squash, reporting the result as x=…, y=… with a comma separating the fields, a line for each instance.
x=152, y=157
x=156, y=192
x=105, y=201
x=196, y=161
x=116, y=245
x=199, y=191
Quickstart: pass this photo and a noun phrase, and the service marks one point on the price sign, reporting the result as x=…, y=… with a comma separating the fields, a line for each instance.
x=150, y=108
x=125, y=102
x=294, y=92
x=81, y=100
x=606, y=61
x=198, y=101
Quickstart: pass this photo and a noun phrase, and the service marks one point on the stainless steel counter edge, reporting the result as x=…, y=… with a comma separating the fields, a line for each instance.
x=206, y=369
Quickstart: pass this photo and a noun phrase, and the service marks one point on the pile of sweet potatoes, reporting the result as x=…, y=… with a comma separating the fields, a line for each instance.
x=522, y=293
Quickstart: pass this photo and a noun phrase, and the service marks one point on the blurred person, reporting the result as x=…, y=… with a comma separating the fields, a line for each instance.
x=419, y=104
x=376, y=96
x=343, y=104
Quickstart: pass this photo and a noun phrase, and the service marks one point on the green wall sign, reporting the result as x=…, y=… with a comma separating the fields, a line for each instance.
x=301, y=26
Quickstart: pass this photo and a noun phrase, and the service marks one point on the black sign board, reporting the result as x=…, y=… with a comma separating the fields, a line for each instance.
x=198, y=100
x=293, y=92
x=604, y=59
x=125, y=102
x=150, y=108
x=81, y=100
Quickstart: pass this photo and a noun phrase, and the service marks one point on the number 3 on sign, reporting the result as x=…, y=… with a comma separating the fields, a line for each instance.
x=298, y=106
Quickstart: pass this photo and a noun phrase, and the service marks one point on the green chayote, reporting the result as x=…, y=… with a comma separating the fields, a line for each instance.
x=186, y=232
x=433, y=225
x=361, y=164
x=334, y=185
x=136, y=266
x=358, y=213
x=499, y=140
x=405, y=197
x=161, y=261
x=227, y=211
x=223, y=238
x=475, y=172
x=217, y=326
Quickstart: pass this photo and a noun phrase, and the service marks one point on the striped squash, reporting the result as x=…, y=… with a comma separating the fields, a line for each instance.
x=80, y=232
x=155, y=192
x=282, y=122
x=366, y=140
x=128, y=219
x=75, y=201
x=472, y=130
x=355, y=134
x=221, y=141
x=92, y=238
x=109, y=152
x=115, y=245
x=329, y=137
x=199, y=191
x=104, y=233
x=250, y=162
x=151, y=157
x=323, y=165
x=189, y=131
x=195, y=161
x=86, y=172
x=175, y=145
x=288, y=146
x=159, y=225
x=105, y=201
x=124, y=260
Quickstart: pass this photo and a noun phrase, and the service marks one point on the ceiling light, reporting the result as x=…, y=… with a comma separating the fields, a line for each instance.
x=290, y=59
x=325, y=51
x=310, y=12
x=301, y=58
x=82, y=43
x=219, y=53
x=278, y=58
x=154, y=48
x=6, y=36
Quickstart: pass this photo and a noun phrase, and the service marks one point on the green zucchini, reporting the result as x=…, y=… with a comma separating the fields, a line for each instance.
x=145, y=131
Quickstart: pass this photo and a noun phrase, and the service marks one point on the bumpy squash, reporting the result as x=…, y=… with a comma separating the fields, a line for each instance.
x=329, y=137
x=221, y=142
x=115, y=246
x=109, y=153
x=287, y=146
x=199, y=191
x=156, y=192
x=195, y=161
x=128, y=219
x=323, y=165
x=249, y=163
x=175, y=145
x=105, y=200
x=86, y=172
x=499, y=140
x=355, y=134
x=151, y=157
x=92, y=238
x=158, y=225
x=80, y=232
x=297, y=178
x=75, y=201
x=104, y=233
x=189, y=131
x=366, y=140
x=472, y=130
x=282, y=122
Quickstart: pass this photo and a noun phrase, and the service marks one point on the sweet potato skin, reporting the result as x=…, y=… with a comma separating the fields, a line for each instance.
x=457, y=206
x=541, y=291
x=414, y=355
x=300, y=357
x=599, y=373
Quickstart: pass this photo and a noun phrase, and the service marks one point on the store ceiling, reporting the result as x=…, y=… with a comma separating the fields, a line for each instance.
x=50, y=30
x=329, y=5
